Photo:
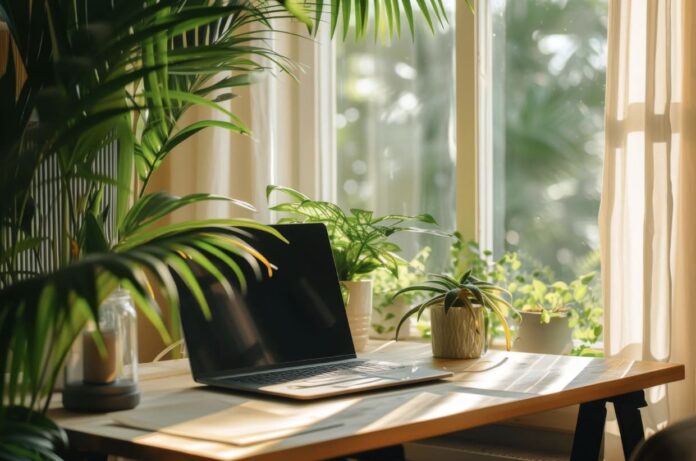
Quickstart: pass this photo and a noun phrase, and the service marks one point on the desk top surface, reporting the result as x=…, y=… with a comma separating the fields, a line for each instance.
x=496, y=387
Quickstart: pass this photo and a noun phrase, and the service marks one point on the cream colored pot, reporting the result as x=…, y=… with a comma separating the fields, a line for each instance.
x=458, y=334
x=555, y=337
x=359, y=310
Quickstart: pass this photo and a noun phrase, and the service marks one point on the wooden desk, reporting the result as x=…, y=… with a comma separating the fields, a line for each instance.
x=497, y=387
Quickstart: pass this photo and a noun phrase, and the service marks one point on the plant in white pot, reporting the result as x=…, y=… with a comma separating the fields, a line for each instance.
x=549, y=312
x=360, y=245
x=458, y=316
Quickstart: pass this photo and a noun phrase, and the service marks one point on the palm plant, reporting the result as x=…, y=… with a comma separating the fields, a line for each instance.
x=463, y=293
x=85, y=75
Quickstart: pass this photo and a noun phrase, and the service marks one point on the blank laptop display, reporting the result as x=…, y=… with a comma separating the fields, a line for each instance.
x=294, y=317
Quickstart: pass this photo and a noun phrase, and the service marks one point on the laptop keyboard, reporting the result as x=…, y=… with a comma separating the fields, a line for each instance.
x=319, y=372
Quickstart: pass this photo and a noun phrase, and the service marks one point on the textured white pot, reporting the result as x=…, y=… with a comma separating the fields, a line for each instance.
x=458, y=334
x=385, y=320
x=555, y=337
x=359, y=310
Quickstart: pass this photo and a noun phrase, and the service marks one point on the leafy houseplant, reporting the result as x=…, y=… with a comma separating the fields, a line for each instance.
x=360, y=245
x=552, y=300
x=459, y=323
x=387, y=311
x=83, y=76
x=359, y=240
x=550, y=311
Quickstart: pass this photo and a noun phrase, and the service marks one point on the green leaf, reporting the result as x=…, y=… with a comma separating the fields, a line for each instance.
x=287, y=190
x=426, y=14
x=144, y=236
x=408, y=11
x=194, y=128
x=346, y=17
x=26, y=244
x=298, y=11
x=587, y=278
x=451, y=298
x=426, y=288
x=545, y=316
x=390, y=16
x=335, y=8
x=95, y=239
x=152, y=207
x=396, y=11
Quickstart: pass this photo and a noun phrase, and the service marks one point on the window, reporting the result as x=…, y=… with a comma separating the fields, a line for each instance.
x=547, y=129
x=541, y=73
x=395, y=129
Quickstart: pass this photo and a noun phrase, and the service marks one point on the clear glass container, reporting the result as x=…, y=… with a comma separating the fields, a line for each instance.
x=103, y=375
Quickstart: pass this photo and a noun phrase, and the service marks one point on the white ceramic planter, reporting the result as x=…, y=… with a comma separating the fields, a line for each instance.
x=555, y=337
x=385, y=320
x=458, y=334
x=359, y=310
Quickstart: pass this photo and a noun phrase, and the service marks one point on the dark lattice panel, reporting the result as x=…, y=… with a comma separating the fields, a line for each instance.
x=46, y=191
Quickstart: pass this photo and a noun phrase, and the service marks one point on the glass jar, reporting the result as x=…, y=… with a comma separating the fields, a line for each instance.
x=101, y=374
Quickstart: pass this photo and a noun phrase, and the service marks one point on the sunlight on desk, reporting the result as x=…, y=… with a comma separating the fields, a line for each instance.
x=520, y=373
x=211, y=419
x=426, y=405
x=497, y=387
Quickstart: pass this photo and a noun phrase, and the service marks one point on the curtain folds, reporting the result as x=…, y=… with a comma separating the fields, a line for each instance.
x=647, y=216
x=218, y=161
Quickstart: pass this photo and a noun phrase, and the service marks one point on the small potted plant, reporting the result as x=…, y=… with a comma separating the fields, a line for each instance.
x=458, y=318
x=360, y=243
x=547, y=312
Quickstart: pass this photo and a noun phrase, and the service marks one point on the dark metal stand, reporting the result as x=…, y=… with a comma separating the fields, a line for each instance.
x=72, y=455
x=393, y=453
x=589, y=429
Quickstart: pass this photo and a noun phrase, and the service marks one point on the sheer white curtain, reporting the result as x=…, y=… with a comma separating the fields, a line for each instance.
x=218, y=161
x=291, y=139
x=647, y=215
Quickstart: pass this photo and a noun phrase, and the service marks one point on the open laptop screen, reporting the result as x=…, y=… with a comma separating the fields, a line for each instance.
x=296, y=316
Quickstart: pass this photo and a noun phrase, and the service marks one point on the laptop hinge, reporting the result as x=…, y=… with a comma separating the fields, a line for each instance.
x=292, y=367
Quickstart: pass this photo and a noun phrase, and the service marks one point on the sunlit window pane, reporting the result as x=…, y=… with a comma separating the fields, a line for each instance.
x=550, y=57
x=395, y=124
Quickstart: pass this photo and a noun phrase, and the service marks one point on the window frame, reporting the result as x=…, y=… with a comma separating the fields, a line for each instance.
x=474, y=172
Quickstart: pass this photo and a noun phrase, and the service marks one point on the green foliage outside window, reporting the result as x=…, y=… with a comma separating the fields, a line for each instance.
x=549, y=61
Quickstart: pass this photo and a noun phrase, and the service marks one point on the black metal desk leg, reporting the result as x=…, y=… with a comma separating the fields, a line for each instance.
x=393, y=453
x=589, y=431
x=629, y=420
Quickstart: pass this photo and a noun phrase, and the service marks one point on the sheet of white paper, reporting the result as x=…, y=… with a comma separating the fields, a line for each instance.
x=218, y=421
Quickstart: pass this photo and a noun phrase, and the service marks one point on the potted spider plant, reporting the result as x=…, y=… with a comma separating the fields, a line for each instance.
x=360, y=243
x=459, y=321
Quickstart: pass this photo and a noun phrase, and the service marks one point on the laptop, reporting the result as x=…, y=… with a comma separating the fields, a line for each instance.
x=285, y=335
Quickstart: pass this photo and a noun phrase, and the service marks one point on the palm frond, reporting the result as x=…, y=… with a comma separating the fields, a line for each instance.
x=26, y=434
x=46, y=313
x=345, y=13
